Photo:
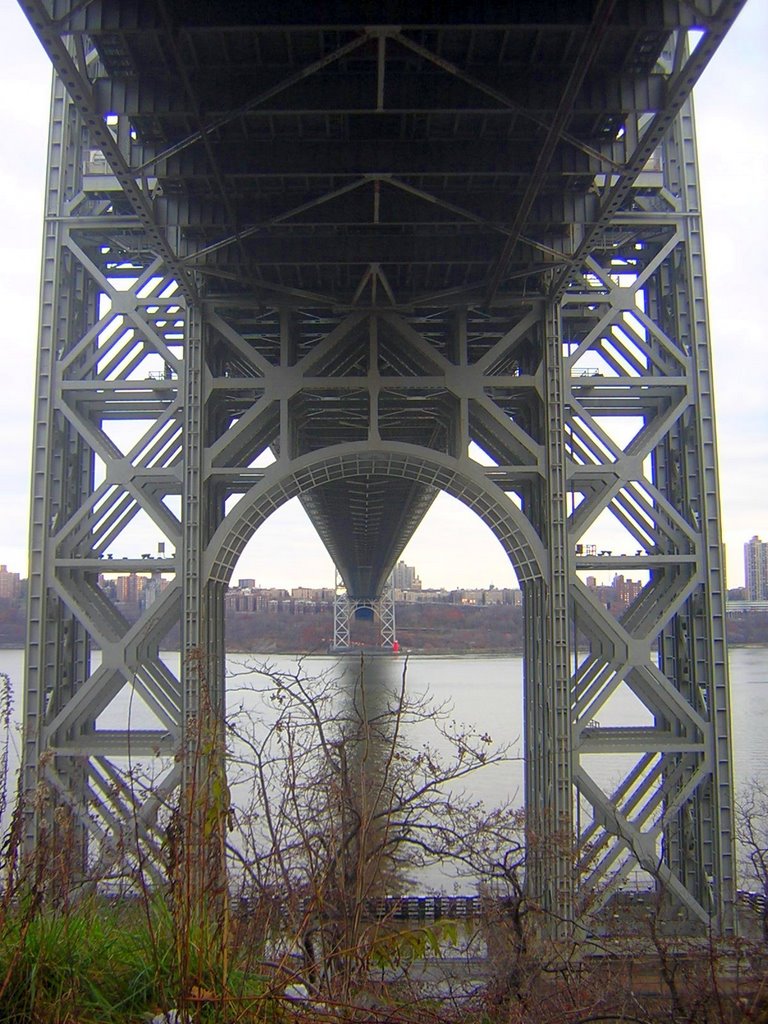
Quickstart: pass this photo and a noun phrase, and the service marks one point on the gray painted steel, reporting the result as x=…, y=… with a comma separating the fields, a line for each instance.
x=336, y=261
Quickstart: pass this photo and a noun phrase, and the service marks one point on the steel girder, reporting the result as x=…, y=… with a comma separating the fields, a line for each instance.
x=214, y=343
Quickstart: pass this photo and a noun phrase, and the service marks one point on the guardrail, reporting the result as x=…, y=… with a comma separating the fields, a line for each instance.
x=392, y=908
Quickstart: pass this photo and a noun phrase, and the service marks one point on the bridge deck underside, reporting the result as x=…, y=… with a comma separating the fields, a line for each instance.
x=358, y=260
x=341, y=164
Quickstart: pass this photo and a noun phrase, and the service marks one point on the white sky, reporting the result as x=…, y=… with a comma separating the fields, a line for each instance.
x=452, y=547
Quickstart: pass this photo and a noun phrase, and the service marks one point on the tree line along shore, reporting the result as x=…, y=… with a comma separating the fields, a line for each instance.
x=422, y=628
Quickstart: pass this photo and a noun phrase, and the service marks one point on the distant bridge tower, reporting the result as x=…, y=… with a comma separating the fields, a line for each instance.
x=358, y=265
x=381, y=610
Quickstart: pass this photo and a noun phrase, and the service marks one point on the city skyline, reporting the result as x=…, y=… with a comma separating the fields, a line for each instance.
x=402, y=573
x=452, y=543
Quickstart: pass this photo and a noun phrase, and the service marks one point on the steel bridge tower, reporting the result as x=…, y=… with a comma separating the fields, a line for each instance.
x=357, y=263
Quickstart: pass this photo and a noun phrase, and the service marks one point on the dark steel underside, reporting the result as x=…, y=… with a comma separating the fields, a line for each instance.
x=397, y=156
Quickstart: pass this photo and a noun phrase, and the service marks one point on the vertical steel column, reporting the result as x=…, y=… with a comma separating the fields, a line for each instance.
x=712, y=844
x=41, y=649
x=194, y=669
x=549, y=793
x=536, y=752
x=57, y=648
x=557, y=618
x=204, y=792
x=203, y=625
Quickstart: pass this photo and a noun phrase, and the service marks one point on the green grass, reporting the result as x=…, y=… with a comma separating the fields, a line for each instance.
x=99, y=963
x=89, y=963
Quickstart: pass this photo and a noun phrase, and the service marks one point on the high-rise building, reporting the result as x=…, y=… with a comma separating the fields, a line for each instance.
x=756, y=569
x=403, y=576
x=10, y=583
x=130, y=588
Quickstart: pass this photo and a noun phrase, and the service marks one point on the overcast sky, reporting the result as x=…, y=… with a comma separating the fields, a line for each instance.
x=452, y=547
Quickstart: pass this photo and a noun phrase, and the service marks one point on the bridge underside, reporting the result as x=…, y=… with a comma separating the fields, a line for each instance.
x=357, y=263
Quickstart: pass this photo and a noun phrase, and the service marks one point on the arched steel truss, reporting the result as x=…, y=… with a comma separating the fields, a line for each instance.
x=168, y=404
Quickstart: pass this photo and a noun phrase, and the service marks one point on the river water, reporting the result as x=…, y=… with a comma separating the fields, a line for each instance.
x=487, y=693
x=484, y=692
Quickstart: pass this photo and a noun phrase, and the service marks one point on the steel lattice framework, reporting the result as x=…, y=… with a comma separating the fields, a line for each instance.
x=382, y=610
x=296, y=251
